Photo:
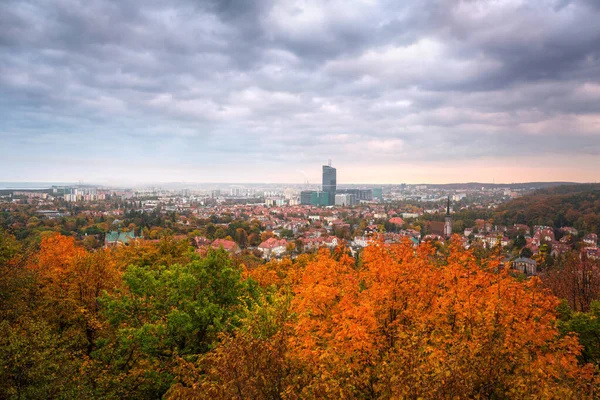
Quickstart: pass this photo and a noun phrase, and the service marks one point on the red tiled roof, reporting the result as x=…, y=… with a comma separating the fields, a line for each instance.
x=226, y=244
x=271, y=243
x=397, y=221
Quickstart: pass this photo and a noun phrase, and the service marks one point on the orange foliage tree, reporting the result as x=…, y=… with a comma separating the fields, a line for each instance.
x=70, y=282
x=165, y=251
x=279, y=274
x=406, y=323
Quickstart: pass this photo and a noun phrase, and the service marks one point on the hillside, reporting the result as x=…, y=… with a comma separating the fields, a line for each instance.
x=479, y=185
x=568, y=205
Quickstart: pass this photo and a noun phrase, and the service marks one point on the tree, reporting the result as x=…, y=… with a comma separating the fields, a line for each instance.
x=241, y=237
x=91, y=243
x=577, y=280
x=286, y=233
x=167, y=251
x=71, y=282
x=266, y=235
x=526, y=252
x=9, y=249
x=520, y=242
x=290, y=247
x=251, y=362
x=220, y=233
x=15, y=281
x=254, y=239
x=36, y=362
x=586, y=326
x=163, y=313
x=406, y=324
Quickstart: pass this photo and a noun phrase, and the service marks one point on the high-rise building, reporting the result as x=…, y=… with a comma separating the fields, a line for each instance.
x=329, y=182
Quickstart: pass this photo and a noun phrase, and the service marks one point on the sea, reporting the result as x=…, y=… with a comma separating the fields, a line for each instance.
x=32, y=185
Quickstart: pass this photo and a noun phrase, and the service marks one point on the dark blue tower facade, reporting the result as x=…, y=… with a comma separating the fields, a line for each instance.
x=329, y=182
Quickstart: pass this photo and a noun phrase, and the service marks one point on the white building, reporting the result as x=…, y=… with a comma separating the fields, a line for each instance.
x=345, y=199
x=410, y=215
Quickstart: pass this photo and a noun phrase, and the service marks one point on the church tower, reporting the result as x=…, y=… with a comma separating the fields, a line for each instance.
x=448, y=221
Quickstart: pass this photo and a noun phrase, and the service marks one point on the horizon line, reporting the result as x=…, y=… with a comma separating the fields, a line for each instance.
x=286, y=183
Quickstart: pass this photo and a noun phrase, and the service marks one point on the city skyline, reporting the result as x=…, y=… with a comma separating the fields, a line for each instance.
x=16, y=184
x=124, y=93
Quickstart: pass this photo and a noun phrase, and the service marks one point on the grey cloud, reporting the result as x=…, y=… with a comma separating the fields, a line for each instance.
x=277, y=80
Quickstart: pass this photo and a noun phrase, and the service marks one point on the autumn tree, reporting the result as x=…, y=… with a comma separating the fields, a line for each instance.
x=410, y=324
x=167, y=251
x=53, y=323
x=577, y=280
x=266, y=235
x=36, y=361
x=241, y=237
x=13, y=279
x=254, y=239
x=250, y=362
x=71, y=281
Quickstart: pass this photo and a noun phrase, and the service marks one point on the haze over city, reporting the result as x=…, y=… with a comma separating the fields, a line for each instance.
x=264, y=91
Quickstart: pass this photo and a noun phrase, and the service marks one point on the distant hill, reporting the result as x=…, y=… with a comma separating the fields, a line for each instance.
x=479, y=185
x=576, y=205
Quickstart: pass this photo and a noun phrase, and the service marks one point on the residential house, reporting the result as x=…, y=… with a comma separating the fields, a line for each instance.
x=228, y=245
x=591, y=239
x=526, y=266
x=272, y=247
x=397, y=221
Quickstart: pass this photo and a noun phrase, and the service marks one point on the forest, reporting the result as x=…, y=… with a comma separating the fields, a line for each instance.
x=160, y=320
x=577, y=206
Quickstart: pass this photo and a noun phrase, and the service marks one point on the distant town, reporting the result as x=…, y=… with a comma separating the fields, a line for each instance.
x=271, y=221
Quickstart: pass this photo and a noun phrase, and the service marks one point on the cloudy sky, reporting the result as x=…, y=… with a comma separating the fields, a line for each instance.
x=267, y=91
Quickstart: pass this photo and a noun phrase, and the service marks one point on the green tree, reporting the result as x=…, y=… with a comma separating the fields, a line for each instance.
x=286, y=233
x=35, y=362
x=164, y=313
x=526, y=252
x=220, y=233
x=9, y=248
x=586, y=326
x=520, y=242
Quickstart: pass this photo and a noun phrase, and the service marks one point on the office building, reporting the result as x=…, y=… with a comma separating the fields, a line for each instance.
x=314, y=198
x=360, y=194
x=320, y=199
x=329, y=182
x=345, y=199
x=306, y=197
x=378, y=193
x=365, y=194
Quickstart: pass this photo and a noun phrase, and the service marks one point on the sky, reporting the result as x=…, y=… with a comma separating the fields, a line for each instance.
x=412, y=91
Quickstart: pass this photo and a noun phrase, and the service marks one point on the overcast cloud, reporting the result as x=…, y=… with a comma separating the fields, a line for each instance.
x=236, y=90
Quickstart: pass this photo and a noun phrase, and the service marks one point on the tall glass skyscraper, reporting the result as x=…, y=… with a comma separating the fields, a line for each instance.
x=329, y=182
